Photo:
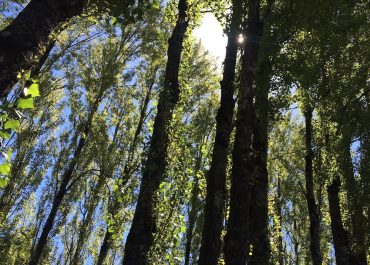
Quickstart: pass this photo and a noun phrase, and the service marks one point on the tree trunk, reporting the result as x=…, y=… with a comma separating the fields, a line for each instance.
x=104, y=248
x=191, y=222
x=340, y=235
x=313, y=210
x=27, y=38
x=296, y=238
x=237, y=234
x=140, y=237
x=279, y=212
x=66, y=179
x=86, y=222
x=355, y=206
x=259, y=191
x=216, y=177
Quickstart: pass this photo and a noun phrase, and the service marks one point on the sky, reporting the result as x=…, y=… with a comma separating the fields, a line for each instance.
x=211, y=35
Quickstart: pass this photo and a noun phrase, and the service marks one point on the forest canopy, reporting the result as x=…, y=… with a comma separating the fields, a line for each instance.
x=124, y=140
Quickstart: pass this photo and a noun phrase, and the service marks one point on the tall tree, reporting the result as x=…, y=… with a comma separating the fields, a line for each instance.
x=313, y=208
x=237, y=241
x=140, y=237
x=109, y=60
x=216, y=177
x=340, y=234
x=259, y=188
x=27, y=38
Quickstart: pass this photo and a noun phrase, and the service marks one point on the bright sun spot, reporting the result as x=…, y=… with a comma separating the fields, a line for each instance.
x=241, y=38
x=212, y=37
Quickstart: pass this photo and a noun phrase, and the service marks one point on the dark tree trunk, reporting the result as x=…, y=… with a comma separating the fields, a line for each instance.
x=105, y=247
x=28, y=37
x=296, y=238
x=340, y=235
x=66, y=179
x=355, y=205
x=237, y=234
x=216, y=178
x=313, y=210
x=192, y=221
x=259, y=191
x=140, y=237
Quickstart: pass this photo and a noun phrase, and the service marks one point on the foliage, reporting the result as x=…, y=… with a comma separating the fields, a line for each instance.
x=112, y=57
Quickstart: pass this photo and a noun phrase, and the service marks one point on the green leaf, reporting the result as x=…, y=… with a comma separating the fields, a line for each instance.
x=25, y=103
x=5, y=168
x=4, y=135
x=28, y=75
x=33, y=90
x=3, y=182
x=156, y=5
x=12, y=124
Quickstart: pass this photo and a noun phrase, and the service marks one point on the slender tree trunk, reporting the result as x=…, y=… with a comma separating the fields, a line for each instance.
x=140, y=237
x=355, y=206
x=86, y=222
x=296, y=238
x=313, y=210
x=66, y=179
x=216, y=178
x=191, y=222
x=237, y=234
x=340, y=235
x=192, y=215
x=104, y=248
x=279, y=212
x=27, y=38
x=259, y=191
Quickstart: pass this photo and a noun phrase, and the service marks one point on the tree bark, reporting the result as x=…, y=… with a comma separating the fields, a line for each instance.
x=104, y=248
x=140, y=237
x=313, y=210
x=237, y=234
x=340, y=235
x=216, y=177
x=259, y=191
x=66, y=179
x=25, y=41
